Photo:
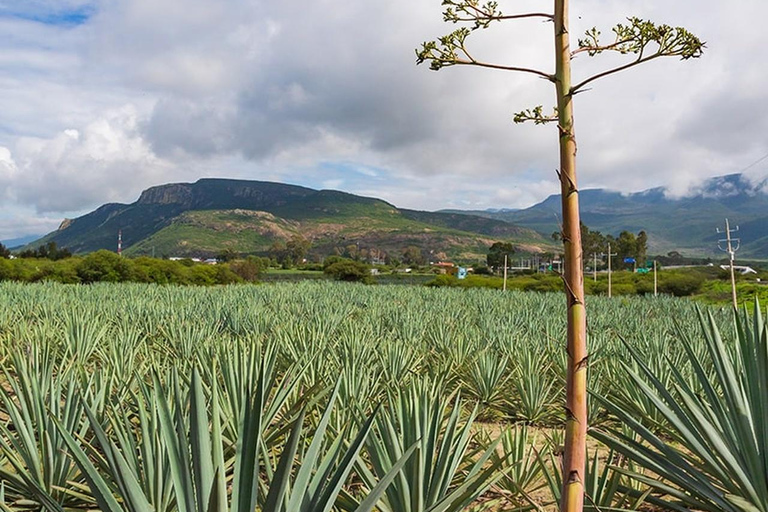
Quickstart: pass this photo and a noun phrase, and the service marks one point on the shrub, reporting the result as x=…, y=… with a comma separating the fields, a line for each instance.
x=330, y=260
x=104, y=266
x=680, y=285
x=223, y=275
x=482, y=271
x=443, y=280
x=623, y=289
x=349, y=270
x=250, y=268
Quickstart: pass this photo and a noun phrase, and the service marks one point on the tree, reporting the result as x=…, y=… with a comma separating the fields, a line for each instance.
x=226, y=256
x=412, y=255
x=626, y=247
x=592, y=242
x=278, y=251
x=4, y=252
x=250, y=268
x=641, y=251
x=104, y=265
x=496, y=253
x=296, y=248
x=641, y=38
x=48, y=251
x=675, y=256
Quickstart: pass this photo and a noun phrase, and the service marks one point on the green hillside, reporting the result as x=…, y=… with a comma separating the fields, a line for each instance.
x=204, y=218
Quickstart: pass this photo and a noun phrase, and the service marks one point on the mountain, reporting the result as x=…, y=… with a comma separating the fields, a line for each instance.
x=211, y=215
x=13, y=243
x=687, y=224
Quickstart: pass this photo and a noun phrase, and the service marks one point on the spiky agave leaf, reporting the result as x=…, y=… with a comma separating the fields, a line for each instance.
x=718, y=459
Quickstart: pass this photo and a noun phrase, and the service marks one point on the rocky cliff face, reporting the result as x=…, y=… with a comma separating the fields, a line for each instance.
x=175, y=193
x=220, y=193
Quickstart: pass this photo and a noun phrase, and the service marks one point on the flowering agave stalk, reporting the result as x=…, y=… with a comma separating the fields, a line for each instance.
x=644, y=40
x=714, y=452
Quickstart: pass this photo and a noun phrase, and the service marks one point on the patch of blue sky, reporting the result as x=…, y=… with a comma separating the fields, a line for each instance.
x=47, y=14
x=6, y=130
x=351, y=168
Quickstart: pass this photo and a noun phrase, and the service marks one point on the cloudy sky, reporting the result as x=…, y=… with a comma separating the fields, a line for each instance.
x=100, y=99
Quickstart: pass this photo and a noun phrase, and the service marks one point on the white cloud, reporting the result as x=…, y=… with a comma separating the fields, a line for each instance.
x=147, y=92
x=104, y=162
x=25, y=224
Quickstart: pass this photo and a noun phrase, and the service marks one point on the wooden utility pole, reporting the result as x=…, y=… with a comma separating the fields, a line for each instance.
x=504, y=287
x=610, y=255
x=594, y=269
x=731, y=248
x=655, y=281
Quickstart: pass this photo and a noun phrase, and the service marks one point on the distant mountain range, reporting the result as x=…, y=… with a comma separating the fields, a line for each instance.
x=211, y=215
x=688, y=224
x=14, y=243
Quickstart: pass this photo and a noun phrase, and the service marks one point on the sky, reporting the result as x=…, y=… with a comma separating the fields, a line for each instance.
x=100, y=99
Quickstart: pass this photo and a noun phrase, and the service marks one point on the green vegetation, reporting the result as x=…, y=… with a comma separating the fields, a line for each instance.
x=252, y=218
x=141, y=397
x=710, y=453
x=498, y=254
x=709, y=285
x=345, y=269
x=48, y=251
x=106, y=266
x=705, y=284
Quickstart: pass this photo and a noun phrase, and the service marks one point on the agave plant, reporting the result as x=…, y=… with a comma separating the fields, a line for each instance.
x=445, y=475
x=484, y=381
x=193, y=451
x=522, y=473
x=606, y=488
x=37, y=471
x=714, y=455
x=534, y=386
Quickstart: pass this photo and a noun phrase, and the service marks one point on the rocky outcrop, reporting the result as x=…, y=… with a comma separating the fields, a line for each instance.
x=175, y=193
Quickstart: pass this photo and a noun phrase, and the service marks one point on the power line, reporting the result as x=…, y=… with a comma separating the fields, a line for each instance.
x=764, y=157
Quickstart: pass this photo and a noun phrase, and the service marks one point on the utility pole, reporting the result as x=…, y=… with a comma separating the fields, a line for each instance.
x=731, y=248
x=504, y=288
x=655, y=282
x=594, y=268
x=610, y=255
x=120, y=242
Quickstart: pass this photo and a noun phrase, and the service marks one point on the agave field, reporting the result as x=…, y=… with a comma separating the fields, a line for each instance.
x=341, y=397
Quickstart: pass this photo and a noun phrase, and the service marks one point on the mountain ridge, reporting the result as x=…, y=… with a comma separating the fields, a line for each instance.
x=213, y=214
x=684, y=224
x=171, y=219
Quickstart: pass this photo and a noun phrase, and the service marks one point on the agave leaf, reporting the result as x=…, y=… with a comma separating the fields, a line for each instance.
x=99, y=487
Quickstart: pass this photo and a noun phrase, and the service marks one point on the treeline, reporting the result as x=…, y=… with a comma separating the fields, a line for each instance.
x=679, y=283
x=626, y=246
x=106, y=266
